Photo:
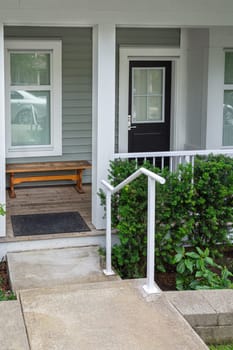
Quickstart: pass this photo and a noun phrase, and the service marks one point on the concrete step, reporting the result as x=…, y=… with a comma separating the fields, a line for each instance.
x=209, y=312
x=105, y=315
x=51, y=267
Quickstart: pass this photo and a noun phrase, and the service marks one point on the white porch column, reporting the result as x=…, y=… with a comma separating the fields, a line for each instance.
x=103, y=114
x=2, y=133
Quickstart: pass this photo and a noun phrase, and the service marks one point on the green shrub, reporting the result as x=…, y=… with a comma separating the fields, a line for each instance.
x=129, y=217
x=186, y=213
x=197, y=270
x=213, y=205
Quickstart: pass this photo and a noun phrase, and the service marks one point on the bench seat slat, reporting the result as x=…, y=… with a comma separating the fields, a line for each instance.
x=46, y=166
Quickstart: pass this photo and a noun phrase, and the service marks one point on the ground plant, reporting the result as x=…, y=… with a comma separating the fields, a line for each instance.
x=221, y=347
x=5, y=292
x=192, y=209
x=197, y=270
x=2, y=210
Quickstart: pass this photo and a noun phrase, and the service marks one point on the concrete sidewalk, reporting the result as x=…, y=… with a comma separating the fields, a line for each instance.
x=104, y=315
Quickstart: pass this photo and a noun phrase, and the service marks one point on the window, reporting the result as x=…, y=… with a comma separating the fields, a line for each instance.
x=33, y=98
x=227, y=139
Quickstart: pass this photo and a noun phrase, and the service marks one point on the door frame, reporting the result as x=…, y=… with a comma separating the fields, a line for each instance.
x=177, y=131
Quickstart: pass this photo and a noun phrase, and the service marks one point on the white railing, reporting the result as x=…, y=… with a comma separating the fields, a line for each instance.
x=171, y=158
x=150, y=286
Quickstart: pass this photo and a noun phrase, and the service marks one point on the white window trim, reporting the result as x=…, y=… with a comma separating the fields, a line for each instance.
x=55, y=148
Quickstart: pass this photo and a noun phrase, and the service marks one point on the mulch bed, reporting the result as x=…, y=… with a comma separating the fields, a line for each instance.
x=4, y=280
x=166, y=280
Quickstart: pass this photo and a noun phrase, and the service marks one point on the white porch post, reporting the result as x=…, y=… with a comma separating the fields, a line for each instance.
x=103, y=114
x=2, y=133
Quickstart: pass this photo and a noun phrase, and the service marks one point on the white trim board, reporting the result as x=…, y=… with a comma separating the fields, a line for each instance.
x=2, y=133
x=141, y=53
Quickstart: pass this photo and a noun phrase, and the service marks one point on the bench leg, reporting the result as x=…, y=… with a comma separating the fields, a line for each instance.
x=12, y=187
x=79, y=186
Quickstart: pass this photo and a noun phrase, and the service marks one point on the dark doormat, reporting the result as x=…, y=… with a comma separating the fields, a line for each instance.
x=42, y=224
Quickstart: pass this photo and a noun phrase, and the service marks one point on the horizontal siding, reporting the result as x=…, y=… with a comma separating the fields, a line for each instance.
x=76, y=90
x=154, y=37
x=148, y=36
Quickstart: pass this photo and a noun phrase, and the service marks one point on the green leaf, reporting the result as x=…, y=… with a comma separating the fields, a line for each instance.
x=180, y=267
x=193, y=255
x=200, y=252
x=189, y=264
x=177, y=258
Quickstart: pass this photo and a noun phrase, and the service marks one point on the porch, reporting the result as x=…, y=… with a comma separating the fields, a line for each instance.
x=49, y=199
x=198, y=106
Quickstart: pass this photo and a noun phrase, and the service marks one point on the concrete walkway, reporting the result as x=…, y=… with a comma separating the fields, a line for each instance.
x=104, y=315
x=84, y=312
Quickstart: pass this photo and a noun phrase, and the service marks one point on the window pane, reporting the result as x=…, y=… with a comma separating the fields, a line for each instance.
x=139, y=109
x=140, y=81
x=30, y=68
x=30, y=118
x=155, y=81
x=228, y=68
x=155, y=108
x=228, y=118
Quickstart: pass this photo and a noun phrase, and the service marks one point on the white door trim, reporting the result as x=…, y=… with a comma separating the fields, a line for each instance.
x=141, y=53
x=2, y=133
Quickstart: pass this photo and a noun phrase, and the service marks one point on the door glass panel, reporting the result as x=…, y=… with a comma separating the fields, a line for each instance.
x=228, y=118
x=155, y=108
x=139, y=109
x=30, y=68
x=30, y=118
x=147, y=95
x=155, y=81
x=139, y=81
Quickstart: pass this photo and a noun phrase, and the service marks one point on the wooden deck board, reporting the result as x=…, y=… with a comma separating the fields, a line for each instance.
x=50, y=199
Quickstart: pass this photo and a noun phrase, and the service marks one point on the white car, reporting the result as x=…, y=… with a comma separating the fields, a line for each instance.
x=228, y=115
x=27, y=108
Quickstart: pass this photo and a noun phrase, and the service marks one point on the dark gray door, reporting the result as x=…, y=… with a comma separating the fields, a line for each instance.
x=149, y=106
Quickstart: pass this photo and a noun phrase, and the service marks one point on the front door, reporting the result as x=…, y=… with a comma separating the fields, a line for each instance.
x=149, y=106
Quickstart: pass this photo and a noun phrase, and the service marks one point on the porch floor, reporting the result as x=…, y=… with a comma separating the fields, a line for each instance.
x=51, y=199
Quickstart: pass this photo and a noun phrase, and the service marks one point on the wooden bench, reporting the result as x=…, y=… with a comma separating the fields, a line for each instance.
x=75, y=167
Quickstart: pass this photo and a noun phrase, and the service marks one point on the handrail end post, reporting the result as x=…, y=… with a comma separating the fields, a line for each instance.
x=108, y=272
x=153, y=289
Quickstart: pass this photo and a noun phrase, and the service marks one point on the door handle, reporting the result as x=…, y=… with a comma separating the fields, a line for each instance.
x=130, y=123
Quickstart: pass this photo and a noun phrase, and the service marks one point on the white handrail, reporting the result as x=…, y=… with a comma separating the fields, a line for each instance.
x=150, y=286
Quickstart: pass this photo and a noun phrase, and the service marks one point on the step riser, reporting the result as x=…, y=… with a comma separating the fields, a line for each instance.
x=8, y=247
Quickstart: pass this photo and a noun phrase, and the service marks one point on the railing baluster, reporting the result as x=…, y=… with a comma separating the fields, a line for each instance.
x=171, y=163
x=162, y=163
x=193, y=162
